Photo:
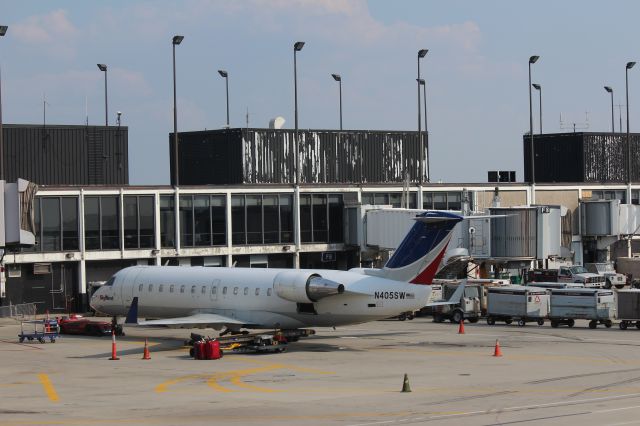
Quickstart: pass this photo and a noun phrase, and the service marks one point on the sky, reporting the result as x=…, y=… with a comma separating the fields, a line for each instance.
x=476, y=70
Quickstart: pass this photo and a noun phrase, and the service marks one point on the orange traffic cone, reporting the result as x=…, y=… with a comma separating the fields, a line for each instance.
x=497, y=351
x=461, y=328
x=114, y=355
x=145, y=354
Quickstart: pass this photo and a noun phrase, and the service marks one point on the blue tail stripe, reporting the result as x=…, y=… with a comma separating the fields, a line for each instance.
x=421, y=239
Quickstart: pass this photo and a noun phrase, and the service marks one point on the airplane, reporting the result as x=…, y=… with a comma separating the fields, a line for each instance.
x=285, y=299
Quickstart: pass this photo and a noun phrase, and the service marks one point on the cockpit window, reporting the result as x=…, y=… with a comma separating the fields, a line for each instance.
x=110, y=282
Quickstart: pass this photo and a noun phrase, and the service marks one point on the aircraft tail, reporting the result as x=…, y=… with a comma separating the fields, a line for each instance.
x=420, y=254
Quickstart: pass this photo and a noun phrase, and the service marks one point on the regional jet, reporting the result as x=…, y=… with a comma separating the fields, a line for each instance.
x=285, y=299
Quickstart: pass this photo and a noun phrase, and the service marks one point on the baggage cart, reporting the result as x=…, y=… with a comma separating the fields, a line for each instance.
x=570, y=304
x=628, y=310
x=39, y=330
x=520, y=303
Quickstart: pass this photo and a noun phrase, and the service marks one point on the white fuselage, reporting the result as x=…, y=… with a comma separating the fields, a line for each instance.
x=249, y=295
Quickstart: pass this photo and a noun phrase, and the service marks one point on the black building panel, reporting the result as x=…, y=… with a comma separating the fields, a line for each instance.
x=66, y=155
x=239, y=156
x=582, y=157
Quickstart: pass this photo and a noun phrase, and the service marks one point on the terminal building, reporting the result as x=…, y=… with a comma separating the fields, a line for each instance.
x=237, y=204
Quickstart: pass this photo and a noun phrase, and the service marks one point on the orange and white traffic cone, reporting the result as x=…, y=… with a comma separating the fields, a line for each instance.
x=114, y=354
x=497, y=351
x=461, y=328
x=145, y=354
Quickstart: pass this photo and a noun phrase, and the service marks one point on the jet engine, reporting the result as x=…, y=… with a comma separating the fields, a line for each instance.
x=304, y=287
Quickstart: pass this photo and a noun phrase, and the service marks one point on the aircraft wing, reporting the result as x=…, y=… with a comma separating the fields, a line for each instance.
x=193, y=321
x=202, y=320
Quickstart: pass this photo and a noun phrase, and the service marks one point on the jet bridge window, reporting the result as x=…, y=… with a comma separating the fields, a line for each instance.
x=150, y=288
x=171, y=287
x=204, y=289
x=235, y=291
x=214, y=289
x=193, y=289
x=246, y=291
x=257, y=291
x=224, y=290
x=182, y=289
x=140, y=287
x=268, y=292
x=160, y=288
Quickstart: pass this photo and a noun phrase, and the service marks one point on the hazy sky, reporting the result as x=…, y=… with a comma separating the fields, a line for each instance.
x=476, y=69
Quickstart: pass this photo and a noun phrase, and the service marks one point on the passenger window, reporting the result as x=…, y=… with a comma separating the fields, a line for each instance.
x=140, y=287
x=246, y=291
x=224, y=290
x=204, y=289
x=214, y=289
x=257, y=291
x=235, y=291
x=193, y=289
x=171, y=287
x=268, y=292
x=182, y=289
x=150, y=288
x=161, y=288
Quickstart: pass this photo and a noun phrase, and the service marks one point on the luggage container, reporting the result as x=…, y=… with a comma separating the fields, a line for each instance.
x=570, y=304
x=521, y=303
x=629, y=308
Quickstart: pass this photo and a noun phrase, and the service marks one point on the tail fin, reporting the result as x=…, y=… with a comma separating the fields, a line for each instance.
x=418, y=257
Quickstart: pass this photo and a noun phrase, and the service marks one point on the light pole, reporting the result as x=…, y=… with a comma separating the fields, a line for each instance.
x=539, y=89
x=177, y=39
x=3, y=31
x=610, y=91
x=337, y=78
x=626, y=85
x=297, y=46
x=225, y=75
x=421, y=54
x=103, y=68
x=423, y=83
x=532, y=60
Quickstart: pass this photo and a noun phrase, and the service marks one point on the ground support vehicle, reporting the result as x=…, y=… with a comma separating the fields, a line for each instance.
x=568, y=274
x=83, y=326
x=39, y=330
x=570, y=304
x=613, y=279
x=628, y=309
x=253, y=342
x=467, y=308
x=520, y=303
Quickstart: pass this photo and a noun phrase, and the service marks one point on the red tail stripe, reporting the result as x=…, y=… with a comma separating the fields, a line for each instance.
x=426, y=276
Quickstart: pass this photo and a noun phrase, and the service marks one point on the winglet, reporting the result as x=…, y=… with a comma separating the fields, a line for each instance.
x=132, y=315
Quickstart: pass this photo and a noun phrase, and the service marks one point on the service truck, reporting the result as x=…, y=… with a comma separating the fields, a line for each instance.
x=606, y=269
x=468, y=306
x=568, y=274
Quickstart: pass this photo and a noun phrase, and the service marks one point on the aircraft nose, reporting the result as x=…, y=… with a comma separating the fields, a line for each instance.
x=94, y=302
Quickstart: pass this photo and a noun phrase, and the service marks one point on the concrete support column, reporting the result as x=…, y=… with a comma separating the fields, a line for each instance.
x=156, y=231
x=296, y=227
x=82, y=267
x=229, y=230
x=176, y=210
x=419, y=197
x=121, y=223
x=83, y=302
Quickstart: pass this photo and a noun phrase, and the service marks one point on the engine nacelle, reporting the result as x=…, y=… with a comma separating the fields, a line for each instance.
x=304, y=287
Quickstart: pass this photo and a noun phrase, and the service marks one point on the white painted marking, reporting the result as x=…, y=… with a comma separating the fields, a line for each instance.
x=618, y=409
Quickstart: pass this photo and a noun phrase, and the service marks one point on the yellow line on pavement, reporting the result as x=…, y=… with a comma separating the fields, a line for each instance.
x=48, y=387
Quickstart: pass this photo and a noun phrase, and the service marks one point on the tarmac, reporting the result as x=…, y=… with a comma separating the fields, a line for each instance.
x=352, y=376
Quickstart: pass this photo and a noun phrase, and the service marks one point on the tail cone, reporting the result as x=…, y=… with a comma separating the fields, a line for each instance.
x=114, y=354
x=145, y=354
x=461, y=328
x=405, y=384
x=497, y=351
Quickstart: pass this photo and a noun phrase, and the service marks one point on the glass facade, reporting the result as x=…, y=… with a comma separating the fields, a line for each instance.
x=321, y=219
x=56, y=224
x=442, y=200
x=139, y=221
x=614, y=194
x=167, y=221
x=388, y=198
x=202, y=220
x=262, y=219
x=101, y=222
